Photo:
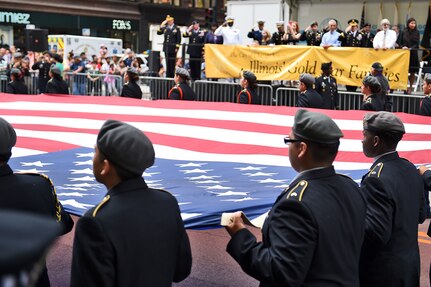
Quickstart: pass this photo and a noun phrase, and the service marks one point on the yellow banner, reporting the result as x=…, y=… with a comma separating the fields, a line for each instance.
x=350, y=65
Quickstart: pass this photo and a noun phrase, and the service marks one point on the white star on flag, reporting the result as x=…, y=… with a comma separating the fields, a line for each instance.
x=77, y=194
x=82, y=171
x=85, y=178
x=33, y=170
x=88, y=162
x=90, y=154
x=271, y=180
x=216, y=187
x=196, y=170
x=229, y=193
x=249, y=168
x=36, y=163
x=210, y=181
x=149, y=174
x=260, y=174
x=190, y=164
x=76, y=204
x=202, y=177
x=239, y=200
x=82, y=184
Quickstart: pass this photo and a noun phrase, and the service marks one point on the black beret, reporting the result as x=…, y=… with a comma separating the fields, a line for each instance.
x=183, y=73
x=326, y=66
x=316, y=127
x=7, y=137
x=55, y=70
x=126, y=146
x=25, y=239
x=15, y=72
x=249, y=76
x=384, y=122
x=371, y=81
x=132, y=71
x=377, y=66
x=307, y=79
x=427, y=78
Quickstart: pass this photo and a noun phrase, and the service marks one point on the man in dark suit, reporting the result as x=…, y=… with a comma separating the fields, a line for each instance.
x=395, y=206
x=313, y=234
x=32, y=193
x=326, y=86
x=171, y=43
x=196, y=43
x=308, y=97
x=135, y=236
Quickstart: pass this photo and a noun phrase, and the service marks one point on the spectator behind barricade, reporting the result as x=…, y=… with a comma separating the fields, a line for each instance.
x=230, y=34
x=131, y=89
x=266, y=38
x=135, y=236
x=394, y=193
x=94, y=77
x=43, y=65
x=19, y=63
x=56, y=85
x=84, y=61
x=312, y=35
x=128, y=57
x=16, y=85
x=182, y=90
x=330, y=38
x=386, y=38
x=377, y=71
x=397, y=32
x=32, y=193
x=211, y=38
x=368, y=36
x=257, y=31
x=25, y=242
x=308, y=97
x=410, y=41
x=293, y=31
x=103, y=51
x=58, y=61
x=326, y=86
x=171, y=43
x=79, y=81
x=371, y=100
x=248, y=94
x=425, y=105
x=109, y=79
x=121, y=68
x=281, y=36
x=195, y=49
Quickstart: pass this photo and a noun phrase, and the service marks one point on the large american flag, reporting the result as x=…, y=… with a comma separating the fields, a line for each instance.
x=214, y=157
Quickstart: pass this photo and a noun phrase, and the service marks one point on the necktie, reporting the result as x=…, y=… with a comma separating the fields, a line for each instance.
x=384, y=39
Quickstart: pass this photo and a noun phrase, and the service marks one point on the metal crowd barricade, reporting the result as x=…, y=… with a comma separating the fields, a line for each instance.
x=94, y=84
x=285, y=97
x=3, y=82
x=32, y=82
x=349, y=100
x=212, y=91
x=155, y=88
x=406, y=103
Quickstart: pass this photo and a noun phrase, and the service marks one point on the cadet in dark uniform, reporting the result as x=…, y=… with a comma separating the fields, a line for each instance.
x=44, y=65
x=313, y=233
x=377, y=71
x=426, y=177
x=256, y=32
x=32, y=193
x=172, y=40
x=312, y=35
x=308, y=97
x=16, y=85
x=248, y=94
x=394, y=192
x=326, y=86
x=195, y=48
x=368, y=36
x=56, y=85
x=131, y=89
x=371, y=100
x=135, y=236
x=280, y=37
x=182, y=90
x=425, y=106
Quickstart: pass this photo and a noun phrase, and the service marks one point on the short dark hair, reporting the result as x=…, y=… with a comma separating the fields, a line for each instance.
x=391, y=139
x=322, y=152
x=121, y=172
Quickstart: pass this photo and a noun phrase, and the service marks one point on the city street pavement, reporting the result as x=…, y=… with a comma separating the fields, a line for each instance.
x=212, y=266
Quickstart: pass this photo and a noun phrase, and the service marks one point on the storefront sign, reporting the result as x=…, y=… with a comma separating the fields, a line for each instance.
x=14, y=18
x=121, y=25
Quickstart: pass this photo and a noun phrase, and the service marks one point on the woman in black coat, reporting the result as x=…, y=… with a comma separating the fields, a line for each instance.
x=410, y=41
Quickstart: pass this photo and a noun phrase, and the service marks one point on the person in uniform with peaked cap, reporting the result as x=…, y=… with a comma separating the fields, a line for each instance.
x=182, y=90
x=326, y=86
x=131, y=89
x=32, y=193
x=172, y=40
x=394, y=192
x=320, y=215
x=278, y=37
x=135, y=236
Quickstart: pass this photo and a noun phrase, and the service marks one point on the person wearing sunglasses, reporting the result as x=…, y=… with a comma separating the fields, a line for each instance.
x=386, y=38
x=313, y=234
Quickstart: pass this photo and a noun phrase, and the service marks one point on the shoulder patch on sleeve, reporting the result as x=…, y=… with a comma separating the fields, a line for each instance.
x=104, y=200
x=376, y=170
x=298, y=190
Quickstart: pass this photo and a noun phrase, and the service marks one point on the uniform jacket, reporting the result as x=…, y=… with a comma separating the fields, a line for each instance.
x=277, y=38
x=196, y=42
x=390, y=253
x=134, y=237
x=17, y=87
x=248, y=96
x=211, y=38
x=311, y=237
x=373, y=103
x=327, y=87
x=255, y=35
x=172, y=38
x=350, y=39
x=43, y=78
x=182, y=91
x=368, y=40
x=425, y=106
x=310, y=99
x=33, y=193
x=57, y=86
x=131, y=90
x=313, y=38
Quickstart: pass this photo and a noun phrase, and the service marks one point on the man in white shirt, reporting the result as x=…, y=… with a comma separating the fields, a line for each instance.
x=330, y=38
x=386, y=38
x=230, y=34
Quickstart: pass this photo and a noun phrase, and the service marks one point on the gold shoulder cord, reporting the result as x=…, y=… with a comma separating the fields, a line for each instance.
x=54, y=193
x=303, y=184
x=376, y=169
x=104, y=200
